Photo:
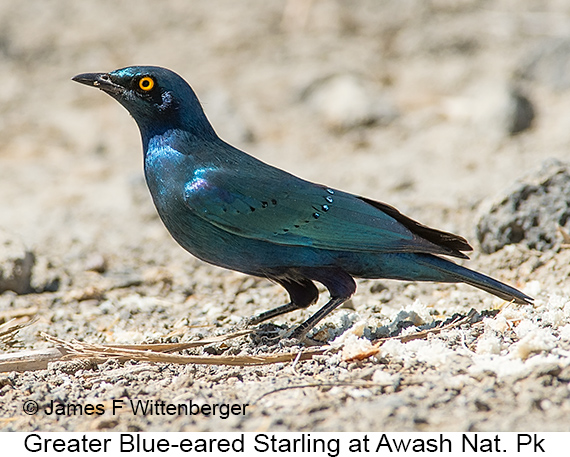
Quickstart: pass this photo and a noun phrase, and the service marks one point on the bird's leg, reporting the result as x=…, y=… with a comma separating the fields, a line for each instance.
x=302, y=293
x=341, y=287
x=270, y=314
x=301, y=330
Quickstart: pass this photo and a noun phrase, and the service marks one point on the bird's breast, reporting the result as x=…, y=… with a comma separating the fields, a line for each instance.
x=165, y=175
x=170, y=176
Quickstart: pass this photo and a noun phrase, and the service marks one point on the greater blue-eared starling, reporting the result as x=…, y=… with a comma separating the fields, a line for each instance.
x=232, y=210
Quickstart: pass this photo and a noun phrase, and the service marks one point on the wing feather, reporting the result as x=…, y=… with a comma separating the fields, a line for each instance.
x=292, y=211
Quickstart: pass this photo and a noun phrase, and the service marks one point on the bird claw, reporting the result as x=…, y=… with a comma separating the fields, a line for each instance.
x=274, y=335
x=268, y=334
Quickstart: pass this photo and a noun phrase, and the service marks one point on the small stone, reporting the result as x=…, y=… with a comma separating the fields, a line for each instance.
x=72, y=366
x=96, y=262
x=564, y=375
x=377, y=287
x=520, y=113
x=16, y=264
x=88, y=293
x=548, y=369
x=498, y=109
x=481, y=405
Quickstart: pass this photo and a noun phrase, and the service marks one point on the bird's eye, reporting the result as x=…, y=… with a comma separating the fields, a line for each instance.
x=146, y=83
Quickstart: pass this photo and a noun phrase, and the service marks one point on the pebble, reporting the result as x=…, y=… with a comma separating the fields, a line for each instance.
x=498, y=109
x=16, y=264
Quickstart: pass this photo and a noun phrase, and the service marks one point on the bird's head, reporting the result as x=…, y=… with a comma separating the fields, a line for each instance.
x=158, y=99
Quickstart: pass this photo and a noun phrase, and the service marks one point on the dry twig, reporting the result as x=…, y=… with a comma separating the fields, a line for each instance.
x=99, y=352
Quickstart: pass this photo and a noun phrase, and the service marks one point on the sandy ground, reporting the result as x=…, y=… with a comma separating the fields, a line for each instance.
x=407, y=102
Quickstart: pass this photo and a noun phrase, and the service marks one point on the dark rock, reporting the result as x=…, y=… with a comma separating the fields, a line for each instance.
x=530, y=212
x=520, y=113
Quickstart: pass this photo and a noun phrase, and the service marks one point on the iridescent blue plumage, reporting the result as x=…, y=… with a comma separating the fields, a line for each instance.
x=234, y=211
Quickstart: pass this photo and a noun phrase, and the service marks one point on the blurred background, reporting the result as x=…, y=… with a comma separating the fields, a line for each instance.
x=431, y=106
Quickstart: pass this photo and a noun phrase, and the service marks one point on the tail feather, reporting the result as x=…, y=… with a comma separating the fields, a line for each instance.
x=458, y=273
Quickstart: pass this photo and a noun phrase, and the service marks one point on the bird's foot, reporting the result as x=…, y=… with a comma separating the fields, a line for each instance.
x=268, y=334
x=272, y=335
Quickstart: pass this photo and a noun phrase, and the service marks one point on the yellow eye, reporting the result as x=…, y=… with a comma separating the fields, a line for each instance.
x=146, y=83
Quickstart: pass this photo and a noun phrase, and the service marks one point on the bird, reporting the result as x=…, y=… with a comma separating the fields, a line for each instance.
x=232, y=210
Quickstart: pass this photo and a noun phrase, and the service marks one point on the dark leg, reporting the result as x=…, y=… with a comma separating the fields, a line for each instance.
x=304, y=328
x=341, y=286
x=302, y=293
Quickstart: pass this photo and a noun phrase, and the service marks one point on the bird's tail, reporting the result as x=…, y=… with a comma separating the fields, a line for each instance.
x=457, y=273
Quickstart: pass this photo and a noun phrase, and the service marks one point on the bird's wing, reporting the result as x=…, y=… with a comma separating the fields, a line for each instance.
x=283, y=209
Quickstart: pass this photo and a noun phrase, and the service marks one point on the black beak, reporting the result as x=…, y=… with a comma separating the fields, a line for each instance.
x=100, y=80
